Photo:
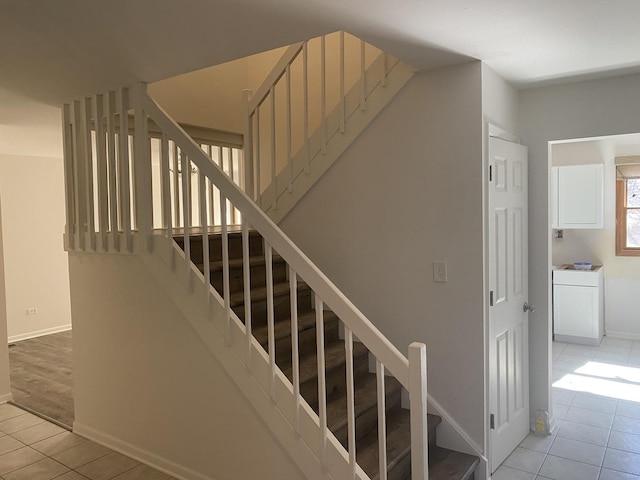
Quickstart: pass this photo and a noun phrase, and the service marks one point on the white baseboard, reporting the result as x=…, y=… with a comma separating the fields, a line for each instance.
x=39, y=333
x=177, y=471
x=623, y=335
x=7, y=397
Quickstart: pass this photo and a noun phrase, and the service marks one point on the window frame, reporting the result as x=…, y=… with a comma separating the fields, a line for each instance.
x=621, y=221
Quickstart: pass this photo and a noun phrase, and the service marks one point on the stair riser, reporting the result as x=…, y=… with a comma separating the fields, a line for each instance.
x=368, y=420
x=257, y=276
x=282, y=308
x=215, y=247
x=335, y=381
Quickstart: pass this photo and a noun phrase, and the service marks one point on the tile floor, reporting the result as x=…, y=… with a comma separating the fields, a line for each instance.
x=34, y=449
x=596, y=400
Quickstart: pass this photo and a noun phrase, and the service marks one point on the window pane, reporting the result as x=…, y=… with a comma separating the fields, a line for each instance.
x=633, y=192
x=633, y=228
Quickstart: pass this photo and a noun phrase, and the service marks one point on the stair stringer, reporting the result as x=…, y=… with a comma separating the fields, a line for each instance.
x=452, y=436
x=337, y=142
x=204, y=308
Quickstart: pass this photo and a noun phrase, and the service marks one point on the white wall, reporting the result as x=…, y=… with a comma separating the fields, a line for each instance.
x=572, y=110
x=500, y=102
x=622, y=274
x=407, y=192
x=35, y=263
x=144, y=379
x=5, y=384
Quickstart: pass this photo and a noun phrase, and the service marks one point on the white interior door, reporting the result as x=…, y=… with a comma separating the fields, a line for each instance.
x=508, y=285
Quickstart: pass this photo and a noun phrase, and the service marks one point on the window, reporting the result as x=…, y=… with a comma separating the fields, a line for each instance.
x=628, y=216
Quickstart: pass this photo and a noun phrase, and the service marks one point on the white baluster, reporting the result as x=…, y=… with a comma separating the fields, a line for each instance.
x=363, y=76
x=268, y=259
x=78, y=177
x=342, y=74
x=176, y=185
x=258, y=163
x=295, y=353
x=202, y=198
x=322, y=383
x=274, y=176
x=288, y=115
x=351, y=413
x=186, y=214
x=226, y=289
x=143, y=195
x=113, y=170
x=247, y=150
x=305, y=93
x=101, y=153
x=382, y=420
x=323, y=92
x=68, y=178
x=123, y=170
x=246, y=271
x=88, y=155
x=165, y=179
x=418, y=401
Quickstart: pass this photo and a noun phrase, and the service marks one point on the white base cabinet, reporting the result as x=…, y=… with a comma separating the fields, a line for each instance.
x=578, y=306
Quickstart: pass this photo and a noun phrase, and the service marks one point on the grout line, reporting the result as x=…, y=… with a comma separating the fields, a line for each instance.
x=38, y=414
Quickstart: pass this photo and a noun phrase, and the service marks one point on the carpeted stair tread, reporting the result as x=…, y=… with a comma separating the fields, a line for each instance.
x=333, y=357
x=306, y=321
x=365, y=397
x=257, y=294
x=445, y=464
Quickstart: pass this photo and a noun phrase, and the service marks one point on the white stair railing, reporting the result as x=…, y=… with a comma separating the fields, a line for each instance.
x=307, y=99
x=110, y=189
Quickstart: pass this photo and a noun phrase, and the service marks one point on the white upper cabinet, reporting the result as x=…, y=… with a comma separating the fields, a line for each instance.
x=577, y=196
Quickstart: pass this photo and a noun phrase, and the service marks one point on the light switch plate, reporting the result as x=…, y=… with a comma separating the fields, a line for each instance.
x=440, y=271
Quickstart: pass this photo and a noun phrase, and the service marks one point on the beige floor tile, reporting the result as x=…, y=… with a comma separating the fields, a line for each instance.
x=107, y=467
x=45, y=469
x=82, y=454
x=8, y=444
x=9, y=411
x=19, y=458
x=71, y=476
x=142, y=472
x=20, y=422
x=58, y=443
x=37, y=432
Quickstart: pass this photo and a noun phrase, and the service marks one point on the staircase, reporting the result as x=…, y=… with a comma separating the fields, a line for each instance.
x=444, y=464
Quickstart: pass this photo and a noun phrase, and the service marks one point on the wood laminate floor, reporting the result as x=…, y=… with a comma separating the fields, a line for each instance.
x=41, y=377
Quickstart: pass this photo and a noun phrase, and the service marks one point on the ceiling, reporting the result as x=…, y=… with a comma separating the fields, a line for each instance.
x=56, y=51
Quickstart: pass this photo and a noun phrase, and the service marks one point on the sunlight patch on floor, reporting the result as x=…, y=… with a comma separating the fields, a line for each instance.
x=614, y=381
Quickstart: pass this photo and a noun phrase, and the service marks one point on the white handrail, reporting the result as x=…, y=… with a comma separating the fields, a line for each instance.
x=361, y=327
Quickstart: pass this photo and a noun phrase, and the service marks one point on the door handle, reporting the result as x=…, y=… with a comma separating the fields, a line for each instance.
x=528, y=307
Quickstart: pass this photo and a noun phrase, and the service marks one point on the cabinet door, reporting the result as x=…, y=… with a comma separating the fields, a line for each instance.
x=575, y=311
x=581, y=196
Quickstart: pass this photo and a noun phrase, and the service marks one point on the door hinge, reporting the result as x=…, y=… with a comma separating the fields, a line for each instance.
x=491, y=298
x=492, y=422
x=490, y=173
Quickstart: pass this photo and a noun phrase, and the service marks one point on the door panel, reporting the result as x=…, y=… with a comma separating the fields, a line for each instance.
x=508, y=280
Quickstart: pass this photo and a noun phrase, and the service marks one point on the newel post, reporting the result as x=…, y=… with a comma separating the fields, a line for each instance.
x=418, y=400
x=247, y=147
x=142, y=167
